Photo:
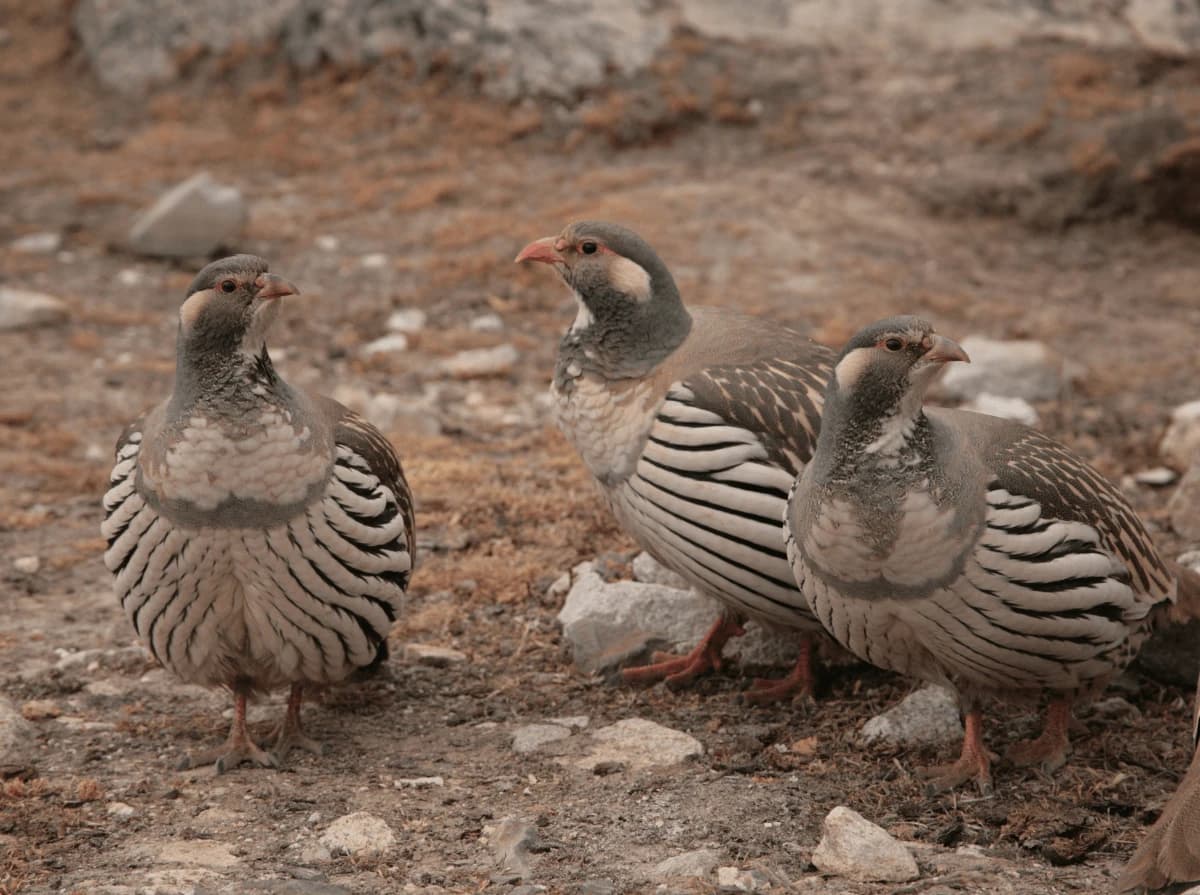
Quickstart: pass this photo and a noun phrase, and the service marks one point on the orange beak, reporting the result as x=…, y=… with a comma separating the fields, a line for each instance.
x=544, y=250
x=944, y=350
x=272, y=285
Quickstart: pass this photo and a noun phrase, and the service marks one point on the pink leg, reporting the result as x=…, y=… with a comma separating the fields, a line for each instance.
x=798, y=683
x=678, y=671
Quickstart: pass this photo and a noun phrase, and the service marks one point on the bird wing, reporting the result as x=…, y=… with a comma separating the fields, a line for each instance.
x=1034, y=466
x=710, y=488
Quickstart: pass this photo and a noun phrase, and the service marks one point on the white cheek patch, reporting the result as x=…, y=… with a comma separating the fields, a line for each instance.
x=190, y=310
x=583, y=319
x=850, y=368
x=629, y=277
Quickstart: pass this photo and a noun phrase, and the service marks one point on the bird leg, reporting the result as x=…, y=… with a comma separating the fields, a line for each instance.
x=974, y=762
x=237, y=748
x=291, y=733
x=1049, y=750
x=798, y=683
x=677, y=671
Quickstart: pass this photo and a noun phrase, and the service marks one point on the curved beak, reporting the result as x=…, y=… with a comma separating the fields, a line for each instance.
x=943, y=350
x=542, y=250
x=271, y=285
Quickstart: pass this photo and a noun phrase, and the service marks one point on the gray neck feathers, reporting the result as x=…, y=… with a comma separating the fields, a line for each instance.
x=219, y=375
x=626, y=339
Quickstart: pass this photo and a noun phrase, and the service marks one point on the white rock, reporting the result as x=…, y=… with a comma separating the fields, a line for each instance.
x=477, y=363
x=406, y=320
x=27, y=565
x=22, y=309
x=731, y=879
x=37, y=243
x=433, y=656
x=559, y=586
x=1157, y=477
x=18, y=738
x=1011, y=369
x=358, y=835
x=418, y=782
x=574, y=722
x=531, y=737
x=649, y=570
x=853, y=847
x=639, y=743
x=1017, y=409
x=699, y=863
x=374, y=261
x=1180, y=445
x=487, y=323
x=1165, y=26
x=513, y=839
x=130, y=276
x=119, y=810
x=929, y=716
x=1184, y=505
x=327, y=243
x=193, y=218
x=394, y=343
x=206, y=853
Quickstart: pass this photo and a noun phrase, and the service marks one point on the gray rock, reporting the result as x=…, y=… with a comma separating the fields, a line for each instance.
x=22, y=309
x=532, y=737
x=1006, y=408
x=293, y=887
x=929, y=716
x=419, y=782
x=1172, y=653
x=1009, y=369
x=853, y=847
x=18, y=738
x=649, y=570
x=406, y=320
x=193, y=218
x=637, y=743
x=771, y=647
x=359, y=835
x=37, y=243
x=698, y=863
x=1180, y=445
x=1184, y=505
x=477, y=363
x=513, y=840
x=598, y=613
x=732, y=879
x=1165, y=26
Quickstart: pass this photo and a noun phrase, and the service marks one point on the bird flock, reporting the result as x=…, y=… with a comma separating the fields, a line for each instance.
x=261, y=537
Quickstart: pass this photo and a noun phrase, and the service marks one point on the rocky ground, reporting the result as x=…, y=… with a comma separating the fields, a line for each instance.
x=1039, y=191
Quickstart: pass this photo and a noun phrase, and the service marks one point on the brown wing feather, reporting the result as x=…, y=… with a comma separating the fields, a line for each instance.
x=368, y=442
x=779, y=400
x=1035, y=466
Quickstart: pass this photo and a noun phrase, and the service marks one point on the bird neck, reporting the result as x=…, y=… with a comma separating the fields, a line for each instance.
x=616, y=338
x=226, y=382
x=860, y=437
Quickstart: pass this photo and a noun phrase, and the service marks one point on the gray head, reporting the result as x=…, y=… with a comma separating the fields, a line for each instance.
x=879, y=382
x=224, y=320
x=629, y=305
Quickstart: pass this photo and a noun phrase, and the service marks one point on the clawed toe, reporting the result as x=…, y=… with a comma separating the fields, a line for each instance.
x=228, y=756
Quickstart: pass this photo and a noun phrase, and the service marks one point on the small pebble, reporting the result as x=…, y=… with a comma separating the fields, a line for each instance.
x=120, y=810
x=1157, y=477
x=374, y=261
x=327, y=243
x=27, y=565
x=389, y=344
x=418, y=782
x=407, y=320
x=37, y=243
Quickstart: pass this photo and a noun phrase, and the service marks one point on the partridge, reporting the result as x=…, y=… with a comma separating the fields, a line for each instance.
x=694, y=424
x=964, y=549
x=1170, y=853
x=258, y=536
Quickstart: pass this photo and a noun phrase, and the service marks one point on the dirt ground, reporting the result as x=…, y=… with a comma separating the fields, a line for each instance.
x=825, y=193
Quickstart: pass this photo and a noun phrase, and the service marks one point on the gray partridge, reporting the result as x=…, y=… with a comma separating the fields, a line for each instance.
x=694, y=424
x=259, y=537
x=964, y=549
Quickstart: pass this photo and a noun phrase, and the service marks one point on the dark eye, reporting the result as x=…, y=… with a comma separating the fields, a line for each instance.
x=228, y=285
x=893, y=344
x=588, y=247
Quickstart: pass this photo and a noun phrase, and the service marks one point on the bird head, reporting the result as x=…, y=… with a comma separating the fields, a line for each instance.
x=229, y=307
x=887, y=366
x=614, y=274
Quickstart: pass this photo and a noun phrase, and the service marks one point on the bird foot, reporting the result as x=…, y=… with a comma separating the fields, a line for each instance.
x=1046, y=752
x=944, y=778
x=679, y=671
x=799, y=682
x=234, y=751
x=289, y=740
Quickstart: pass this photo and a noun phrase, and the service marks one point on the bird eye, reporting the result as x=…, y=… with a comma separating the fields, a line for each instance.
x=588, y=247
x=893, y=344
x=228, y=285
